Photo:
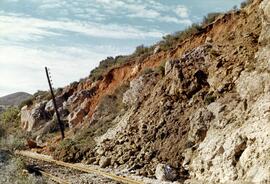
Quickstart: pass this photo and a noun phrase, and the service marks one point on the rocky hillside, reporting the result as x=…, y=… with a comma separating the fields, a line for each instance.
x=14, y=99
x=198, y=110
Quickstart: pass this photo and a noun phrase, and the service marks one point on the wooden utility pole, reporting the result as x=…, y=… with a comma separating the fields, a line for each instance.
x=61, y=126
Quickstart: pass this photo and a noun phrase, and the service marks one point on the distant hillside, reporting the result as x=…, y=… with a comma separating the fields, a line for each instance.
x=14, y=99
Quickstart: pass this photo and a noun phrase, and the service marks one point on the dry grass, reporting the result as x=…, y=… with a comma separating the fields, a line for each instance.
x=11, y=135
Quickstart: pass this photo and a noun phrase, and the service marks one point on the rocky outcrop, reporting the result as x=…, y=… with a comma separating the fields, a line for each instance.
x=76, y=117
x=79, y=105
x=33, y=118
x=50, y=107
x=238, y=149
x=237, y=145
x=137, y=87
x=41, y=118
x=133, y=94
x=27, y=120
x=265, y=37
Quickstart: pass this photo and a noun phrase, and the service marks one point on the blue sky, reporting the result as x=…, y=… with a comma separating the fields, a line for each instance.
x=72, y=36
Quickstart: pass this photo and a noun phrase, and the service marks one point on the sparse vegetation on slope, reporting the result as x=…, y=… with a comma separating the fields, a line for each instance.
x=11, y=137
x=246, y=3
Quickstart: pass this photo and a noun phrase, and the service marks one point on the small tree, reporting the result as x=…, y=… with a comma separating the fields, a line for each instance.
x=246, y=3
x=141, y=49
x=210, y=18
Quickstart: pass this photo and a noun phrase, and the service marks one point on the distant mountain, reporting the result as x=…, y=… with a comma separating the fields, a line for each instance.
x=14, y=99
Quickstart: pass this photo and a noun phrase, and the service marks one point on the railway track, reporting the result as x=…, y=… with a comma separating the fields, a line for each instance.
x=54, y=178
x=68, y=173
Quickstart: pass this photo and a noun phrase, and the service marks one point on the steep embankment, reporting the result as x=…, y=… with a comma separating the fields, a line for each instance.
x=206, y=116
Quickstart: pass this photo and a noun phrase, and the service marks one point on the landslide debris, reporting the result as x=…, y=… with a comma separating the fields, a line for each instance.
x=199, y=108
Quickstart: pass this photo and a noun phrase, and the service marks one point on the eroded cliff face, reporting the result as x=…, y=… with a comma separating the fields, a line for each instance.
x=207, y=116
x=239, y=148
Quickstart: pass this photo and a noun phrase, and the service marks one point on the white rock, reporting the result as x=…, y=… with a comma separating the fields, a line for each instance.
x=27, y=120
x=33, y=118
x=169, y=66
x=157, y=49
x=165, y=173
x=132, y=95
x=104, y=161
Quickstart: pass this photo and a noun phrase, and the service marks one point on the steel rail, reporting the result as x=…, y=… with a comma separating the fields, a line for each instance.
x=82, y=168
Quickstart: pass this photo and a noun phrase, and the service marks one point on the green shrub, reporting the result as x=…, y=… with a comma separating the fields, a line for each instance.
x=109, y=63
x=112, y=62
x=246, y=3
x=96, y=75
x=13, y=142
x=66, y=143
x=210, y=18
x=169, y=41
x=209, y=98
x=57, y=92
x=2, y=131
x=42, y=95
x=10, y=116
x=27, y=103
x=147, y=71
x=161, y=68
x=12, y=136
x=106, y=64
x=140, y=50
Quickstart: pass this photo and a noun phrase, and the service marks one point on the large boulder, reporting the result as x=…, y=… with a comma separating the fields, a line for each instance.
x=50, y=126
x=169, y=66
x=104, y=161
x=78, y=98
x=76, y=117
x=139, y=87
x=33, y=118
x=133, y=94
x=59, y=103
x=165, y=173
x=27, y=120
